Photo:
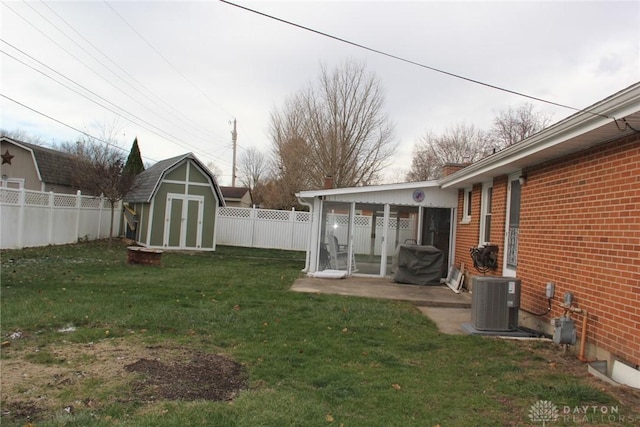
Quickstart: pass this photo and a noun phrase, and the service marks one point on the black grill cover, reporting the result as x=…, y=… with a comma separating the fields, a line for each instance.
x=417, y=265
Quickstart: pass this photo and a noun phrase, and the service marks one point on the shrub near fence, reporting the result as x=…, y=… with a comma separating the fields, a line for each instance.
x=36, y=218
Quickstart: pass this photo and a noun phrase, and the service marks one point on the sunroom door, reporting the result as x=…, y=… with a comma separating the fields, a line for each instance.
x=512, y=227
x=369, y=238
x=335, y=248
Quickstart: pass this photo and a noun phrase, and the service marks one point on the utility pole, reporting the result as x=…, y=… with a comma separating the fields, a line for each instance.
x=234, y=140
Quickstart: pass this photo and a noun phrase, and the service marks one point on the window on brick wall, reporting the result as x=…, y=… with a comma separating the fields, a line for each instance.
x=466, y=212
x=485, y=219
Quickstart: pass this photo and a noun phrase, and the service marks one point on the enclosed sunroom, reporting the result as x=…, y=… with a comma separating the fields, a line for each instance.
x=358, y=230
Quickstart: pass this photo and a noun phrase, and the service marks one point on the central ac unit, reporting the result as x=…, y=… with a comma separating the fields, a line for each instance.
x=494, y=303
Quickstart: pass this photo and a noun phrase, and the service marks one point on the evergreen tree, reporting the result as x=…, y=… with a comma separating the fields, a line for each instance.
x=134, y=163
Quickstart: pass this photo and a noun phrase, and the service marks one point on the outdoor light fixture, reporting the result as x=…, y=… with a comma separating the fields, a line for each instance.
x=522, y=179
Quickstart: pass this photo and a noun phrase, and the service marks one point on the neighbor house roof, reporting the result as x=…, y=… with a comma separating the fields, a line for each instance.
x=148, y=181
x=54, y=167
x=234, y=192
x=613, y=117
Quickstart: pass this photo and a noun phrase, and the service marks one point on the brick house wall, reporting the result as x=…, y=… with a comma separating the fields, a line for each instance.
x=467, y=234
x=579, y=228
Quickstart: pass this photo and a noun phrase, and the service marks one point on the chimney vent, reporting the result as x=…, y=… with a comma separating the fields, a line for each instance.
x=328, y=182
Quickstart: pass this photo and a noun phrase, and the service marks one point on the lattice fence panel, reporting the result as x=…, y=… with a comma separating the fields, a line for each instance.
x=303, y=217
x=36, y=198
x=91, y=202
x=273, y=215
x=64, y=201
x=235, y=212
x=9, y=196
x=361, y=220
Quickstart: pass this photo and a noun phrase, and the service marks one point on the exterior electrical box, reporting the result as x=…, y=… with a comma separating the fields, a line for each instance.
x=494, y=303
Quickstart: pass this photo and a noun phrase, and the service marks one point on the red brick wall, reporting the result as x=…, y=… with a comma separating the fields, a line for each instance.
x=467, y=235
x=580, y=228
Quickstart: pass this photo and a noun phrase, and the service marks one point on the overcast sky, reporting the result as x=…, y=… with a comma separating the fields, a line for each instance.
x=175, y=74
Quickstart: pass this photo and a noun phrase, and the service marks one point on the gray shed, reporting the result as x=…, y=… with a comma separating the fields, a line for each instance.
x=174, y=205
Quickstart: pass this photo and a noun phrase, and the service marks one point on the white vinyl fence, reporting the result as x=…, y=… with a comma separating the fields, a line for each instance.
x=265, y=228
x=35, y=218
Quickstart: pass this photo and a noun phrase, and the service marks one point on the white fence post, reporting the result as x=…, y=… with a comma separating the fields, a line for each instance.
x=292, y=221
x=253, y=218
x=100, y=217
x=51, y=214
x=78, y=204
x=21, y=217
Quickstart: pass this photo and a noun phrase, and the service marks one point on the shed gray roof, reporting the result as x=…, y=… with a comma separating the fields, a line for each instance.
x=55, y=167
x=148, y=181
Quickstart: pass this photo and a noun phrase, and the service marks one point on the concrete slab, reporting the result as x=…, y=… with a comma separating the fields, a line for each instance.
x=446, y=308
x=435, y=296
x=449, y=320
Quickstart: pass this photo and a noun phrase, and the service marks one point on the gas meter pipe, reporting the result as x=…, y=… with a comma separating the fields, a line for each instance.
x=583, y=332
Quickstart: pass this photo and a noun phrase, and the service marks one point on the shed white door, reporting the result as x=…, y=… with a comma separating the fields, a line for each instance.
x=183, y=221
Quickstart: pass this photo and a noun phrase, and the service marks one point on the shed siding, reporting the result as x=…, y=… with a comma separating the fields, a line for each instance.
x=195, y=175
x=210, y=210
x=179, y=173
x=143, y=211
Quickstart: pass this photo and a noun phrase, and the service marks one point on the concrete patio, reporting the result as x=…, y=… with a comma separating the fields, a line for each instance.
x=446, y=308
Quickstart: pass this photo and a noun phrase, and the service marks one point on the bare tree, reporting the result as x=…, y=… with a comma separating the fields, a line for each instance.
x=336, y=128
x=100, y=171
x=22, y=135
x=513, y=125
x=214, y=169
x=461, y=143
x=252, y=167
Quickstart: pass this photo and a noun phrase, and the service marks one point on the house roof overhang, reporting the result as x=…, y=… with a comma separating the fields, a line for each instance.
x=310, y=194
x=611, y=118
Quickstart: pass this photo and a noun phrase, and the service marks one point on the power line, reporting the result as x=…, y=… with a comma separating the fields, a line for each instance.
x=72, y=127
x=67, y=125
x=90, y=69
x=187, y=121
x=148, y=126
x=164, y=58
x=408, y=61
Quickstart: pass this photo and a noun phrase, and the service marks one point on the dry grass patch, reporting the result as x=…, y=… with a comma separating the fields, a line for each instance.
x=64, y=377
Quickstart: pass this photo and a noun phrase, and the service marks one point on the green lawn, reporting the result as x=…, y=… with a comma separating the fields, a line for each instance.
x=310, y=360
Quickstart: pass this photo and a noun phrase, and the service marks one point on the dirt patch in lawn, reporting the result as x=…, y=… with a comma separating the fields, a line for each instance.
x=39, y=383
